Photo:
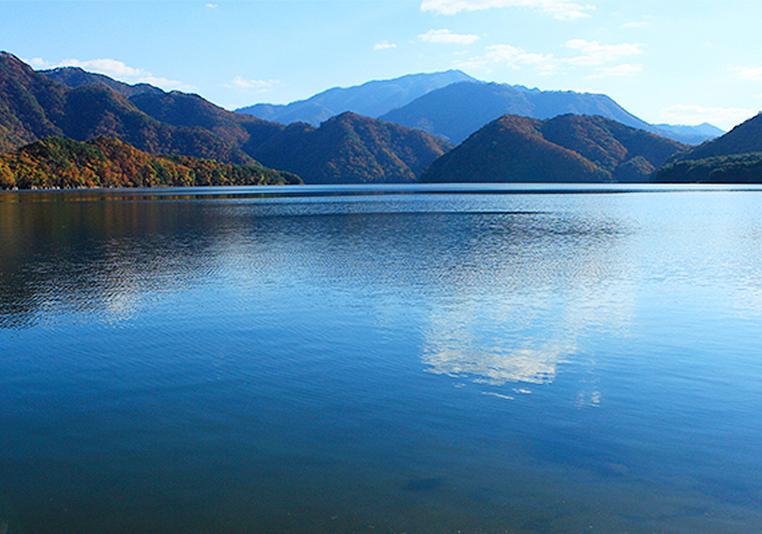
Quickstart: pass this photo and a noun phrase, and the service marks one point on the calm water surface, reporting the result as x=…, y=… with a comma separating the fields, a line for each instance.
x=381, y=360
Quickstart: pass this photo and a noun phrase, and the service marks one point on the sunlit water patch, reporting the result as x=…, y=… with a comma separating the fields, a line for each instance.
x=381, y=360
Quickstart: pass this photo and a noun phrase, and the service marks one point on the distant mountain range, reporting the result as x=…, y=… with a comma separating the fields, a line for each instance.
x=456, y=111
x=453, y=105
x=74, y=106
x=33, y=105
x=371, y=99
x=704, y=129
x=567, y=148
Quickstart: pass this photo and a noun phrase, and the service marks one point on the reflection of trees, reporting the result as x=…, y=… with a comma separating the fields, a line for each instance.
x=87, y=253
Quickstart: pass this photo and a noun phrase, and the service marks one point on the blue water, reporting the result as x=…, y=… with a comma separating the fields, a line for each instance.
x=405, y=359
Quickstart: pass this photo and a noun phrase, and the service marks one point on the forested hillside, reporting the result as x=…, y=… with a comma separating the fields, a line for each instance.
x=33, y=106
x=743, y=139
x=77, y=77
x=569, y=148
x=735, y=169
x=350, y=148
x=108, y=162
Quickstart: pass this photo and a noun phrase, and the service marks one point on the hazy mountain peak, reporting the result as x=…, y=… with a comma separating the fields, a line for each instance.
x=372, y=99
x=701, y=129
x=456, y=111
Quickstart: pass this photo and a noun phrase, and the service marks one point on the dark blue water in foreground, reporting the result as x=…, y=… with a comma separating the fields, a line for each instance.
x=381, y=360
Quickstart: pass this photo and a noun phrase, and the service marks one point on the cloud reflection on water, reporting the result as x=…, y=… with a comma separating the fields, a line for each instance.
x=458, y=354
x=530, y=304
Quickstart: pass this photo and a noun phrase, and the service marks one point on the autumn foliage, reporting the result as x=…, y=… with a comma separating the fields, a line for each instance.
x=107, y=162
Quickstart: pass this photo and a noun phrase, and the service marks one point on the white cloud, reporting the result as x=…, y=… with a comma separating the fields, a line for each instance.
x=446, y=36
x=212, y=6
x=722, y=117
x=120, y=71
x=258, y=86
x=590, y=54
x=36, y=63
x=164, y=83
x=385, y=45
x=560, y=9
x=512, y=56
x=641, y=24
x=753, y=73
x=619, y=70
x=109, y=67
x=594, y=53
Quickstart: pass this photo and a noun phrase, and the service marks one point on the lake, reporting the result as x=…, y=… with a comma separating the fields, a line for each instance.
x=476, y=359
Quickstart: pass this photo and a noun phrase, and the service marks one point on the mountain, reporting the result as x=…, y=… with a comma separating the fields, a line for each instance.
x=34, y=106
x=704, y=129
x=611, y=145
x=192, y=111
x=30, y=105
x=371, y=99
x=107, y=162
x=76, y=77
x=350, y=148
x=95, y=110
x=735, y=157
x=744, y=138
x=733, y=169
x=176, y=108
x=567, y=148
x=456, y=111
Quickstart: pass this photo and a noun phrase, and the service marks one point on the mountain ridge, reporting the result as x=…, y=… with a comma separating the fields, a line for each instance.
x=458, y=110
x=77, y=77
x=743, y=138
x=530, y=102
x=735, y=157
x=372, y=99
x=348, y=149
x=566, y=148
x=34, y=106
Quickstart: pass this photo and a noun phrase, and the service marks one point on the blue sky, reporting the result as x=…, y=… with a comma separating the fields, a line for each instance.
x=675, y=61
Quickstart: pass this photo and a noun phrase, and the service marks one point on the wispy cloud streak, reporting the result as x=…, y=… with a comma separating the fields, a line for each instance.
x=447, y=37
x=560, y=9
x=384, y=45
